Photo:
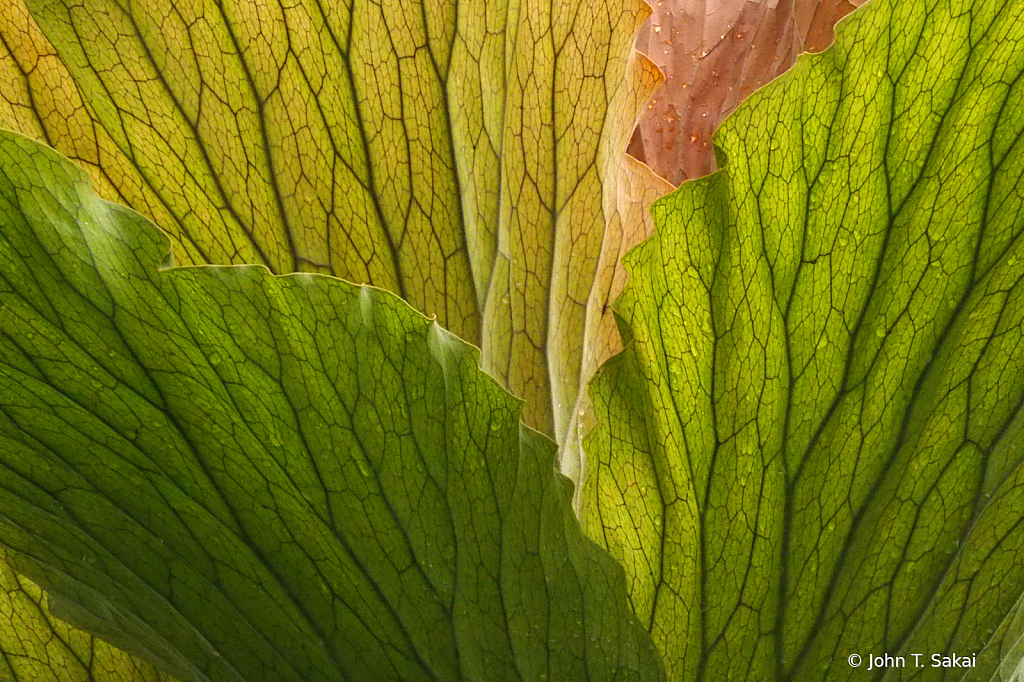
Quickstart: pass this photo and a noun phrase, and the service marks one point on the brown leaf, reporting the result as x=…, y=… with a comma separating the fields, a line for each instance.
x=714, y=54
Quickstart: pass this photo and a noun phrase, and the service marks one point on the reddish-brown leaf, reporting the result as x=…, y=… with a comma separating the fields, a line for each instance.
x=714, y=54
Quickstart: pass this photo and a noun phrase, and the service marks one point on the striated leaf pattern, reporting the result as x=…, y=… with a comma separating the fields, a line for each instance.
x=631, y=222
x=464, y=155
x=812, y=444
x=39, y=98
x=247, y=477
x=36, y=647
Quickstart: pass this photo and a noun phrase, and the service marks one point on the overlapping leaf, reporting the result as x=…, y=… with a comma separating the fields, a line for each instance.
x=714, y=54
x=631, y=222
x=464, y=155
x=250, y=477
x=39, y=648
x=812, y=445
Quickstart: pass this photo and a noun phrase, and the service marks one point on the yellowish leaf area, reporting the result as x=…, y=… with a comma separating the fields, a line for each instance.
x=812, y=445
x=36, y=647
x=464, y=155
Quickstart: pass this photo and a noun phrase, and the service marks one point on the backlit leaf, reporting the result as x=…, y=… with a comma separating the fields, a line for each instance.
x=811, y=446
x=40, y=648
x=251, y=477
x=464, y=155
x=714, y=54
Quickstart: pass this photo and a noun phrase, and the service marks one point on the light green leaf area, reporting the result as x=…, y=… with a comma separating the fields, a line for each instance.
x=462, y=154
x=812, y=444
x=1008, y=647
x=250, y=477
x=40, y=648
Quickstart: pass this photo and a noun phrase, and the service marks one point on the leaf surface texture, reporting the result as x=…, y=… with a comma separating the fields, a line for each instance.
x=714, y=55
x=257, y=477
x=464, y=155
x=811, y=446
x=37, y=647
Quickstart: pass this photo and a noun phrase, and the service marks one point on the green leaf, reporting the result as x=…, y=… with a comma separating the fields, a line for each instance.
x=463, y=154
x=251, y=477
x=812, y=444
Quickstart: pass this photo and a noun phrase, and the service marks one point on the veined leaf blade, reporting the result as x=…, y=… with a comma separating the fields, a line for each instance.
x=250, y=477
x=810, y=447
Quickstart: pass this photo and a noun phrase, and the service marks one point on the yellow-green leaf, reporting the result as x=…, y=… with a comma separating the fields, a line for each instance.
x=36, y=647
x=811, y=446
x=464, y=155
